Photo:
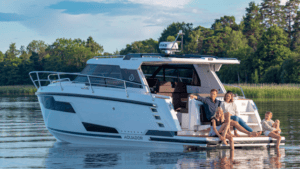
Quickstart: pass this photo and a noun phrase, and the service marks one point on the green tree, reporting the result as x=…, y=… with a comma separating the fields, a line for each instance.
x=216, y=44
x=272, y=49
x=295, y=45
x=225, y=21
x=12, y=52
x=290, y=70
x=1, y=57
x=290, y=9
x=36, y=46
x=237, y=48
x=272, y=75
x=272, y=13
x=145, y=46
x=171, y=38
x=235, y=41
x=197, y=38
x=254, y=76
x=253, y=28
x=23, y=54
x=94, y=46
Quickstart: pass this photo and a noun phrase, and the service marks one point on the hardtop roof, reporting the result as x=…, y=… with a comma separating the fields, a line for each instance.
x=134, y=61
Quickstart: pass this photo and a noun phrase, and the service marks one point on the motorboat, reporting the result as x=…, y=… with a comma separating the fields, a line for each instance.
x=140, y=100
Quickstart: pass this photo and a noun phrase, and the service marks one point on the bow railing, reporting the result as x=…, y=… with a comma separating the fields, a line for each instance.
x=91, y=80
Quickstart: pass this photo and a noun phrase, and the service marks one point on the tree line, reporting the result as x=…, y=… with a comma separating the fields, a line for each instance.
x=266, y=41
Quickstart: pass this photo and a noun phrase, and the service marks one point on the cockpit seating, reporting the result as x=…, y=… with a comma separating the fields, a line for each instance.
x=177, y=90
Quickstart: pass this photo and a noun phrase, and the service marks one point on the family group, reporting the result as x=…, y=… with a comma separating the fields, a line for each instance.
x=224, y=114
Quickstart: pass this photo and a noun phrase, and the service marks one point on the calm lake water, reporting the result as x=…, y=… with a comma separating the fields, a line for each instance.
x=26, y=143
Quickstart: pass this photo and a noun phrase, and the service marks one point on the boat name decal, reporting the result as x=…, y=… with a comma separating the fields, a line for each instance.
x=133, y=137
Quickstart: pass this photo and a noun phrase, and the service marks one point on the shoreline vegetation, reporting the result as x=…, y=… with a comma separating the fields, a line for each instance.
x=253, y=91
x=267, y=91
x=20, y=90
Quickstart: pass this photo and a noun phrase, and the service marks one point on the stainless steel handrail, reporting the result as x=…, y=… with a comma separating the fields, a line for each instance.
x=110, y=56
x=237, y=87
x=79, y=74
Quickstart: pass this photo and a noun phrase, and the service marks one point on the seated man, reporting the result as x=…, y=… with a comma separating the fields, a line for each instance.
x=271, y=128
x=211, y=103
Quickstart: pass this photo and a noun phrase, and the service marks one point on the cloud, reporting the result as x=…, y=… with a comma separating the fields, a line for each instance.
x=11, y=17
x=164, y=3
x=112, y=23
x=114, y=9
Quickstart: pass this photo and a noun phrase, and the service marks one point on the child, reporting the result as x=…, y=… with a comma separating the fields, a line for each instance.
x=271, y=128
x=218, y=127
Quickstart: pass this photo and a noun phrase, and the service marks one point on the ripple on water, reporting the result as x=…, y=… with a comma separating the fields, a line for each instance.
x=26, y=143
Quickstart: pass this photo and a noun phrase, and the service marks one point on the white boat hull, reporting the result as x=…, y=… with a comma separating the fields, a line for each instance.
x=99, y=120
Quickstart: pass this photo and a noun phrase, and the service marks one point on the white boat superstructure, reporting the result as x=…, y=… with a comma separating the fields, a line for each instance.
x=140, y=100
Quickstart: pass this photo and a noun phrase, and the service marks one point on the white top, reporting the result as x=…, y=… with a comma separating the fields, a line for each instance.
x=267, y=125
x=135, y=63
x=231, y=108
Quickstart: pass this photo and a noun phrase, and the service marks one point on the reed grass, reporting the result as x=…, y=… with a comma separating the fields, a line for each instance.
x=17, y=90
x=254, y=91
x=267, y=91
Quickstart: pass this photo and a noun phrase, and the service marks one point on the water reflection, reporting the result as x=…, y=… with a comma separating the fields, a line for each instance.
x=26, y=143
x=63, y=155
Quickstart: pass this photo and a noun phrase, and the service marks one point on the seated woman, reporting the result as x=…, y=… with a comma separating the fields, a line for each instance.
x=271, y=128
x=230, y=109
x=218, y=127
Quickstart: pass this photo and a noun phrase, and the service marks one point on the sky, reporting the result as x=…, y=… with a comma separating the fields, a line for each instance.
x=112, y=23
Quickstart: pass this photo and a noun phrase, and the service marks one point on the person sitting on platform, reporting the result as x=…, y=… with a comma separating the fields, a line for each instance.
x=211, y=103
x=218, y=128
x=230, y=110
x=271, y=128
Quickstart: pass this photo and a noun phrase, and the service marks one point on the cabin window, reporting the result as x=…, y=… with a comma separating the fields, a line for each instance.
x=173, y=73
x=104, y=71
x=111, y=71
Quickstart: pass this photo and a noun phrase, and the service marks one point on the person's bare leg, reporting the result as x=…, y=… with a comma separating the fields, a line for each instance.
x=230, y=138
x=231, y=155
x=227, y=121
x=223, y=131
x=236, y=134
x=240, y=128
x=277, y=137
x=276, y=125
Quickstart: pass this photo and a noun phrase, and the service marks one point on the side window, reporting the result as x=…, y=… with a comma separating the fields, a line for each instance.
x=108, y=71
x=131, y=75
x=173, y=73
x=102, y=70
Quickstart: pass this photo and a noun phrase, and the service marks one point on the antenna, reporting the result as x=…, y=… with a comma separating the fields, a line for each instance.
x=171, y=47
x=179, y=33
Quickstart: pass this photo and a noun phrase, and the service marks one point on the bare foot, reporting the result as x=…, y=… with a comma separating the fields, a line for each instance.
x=252, y=134
x=258, y=133
x=236, y=134
x=223, y=140
x=231, y=135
